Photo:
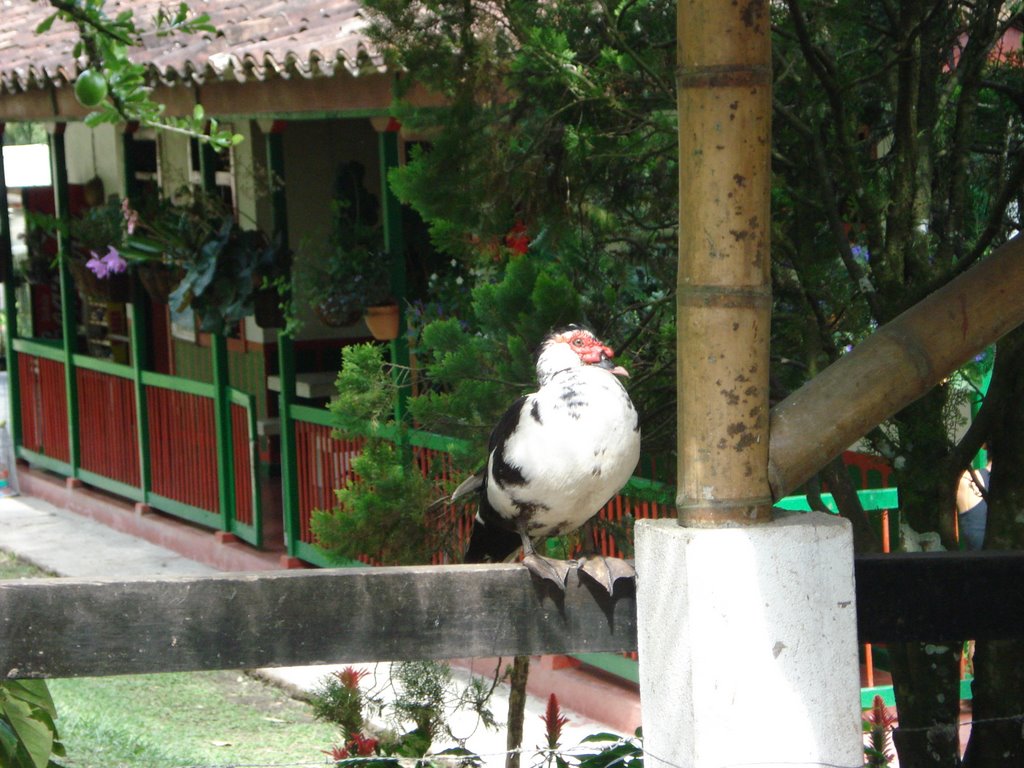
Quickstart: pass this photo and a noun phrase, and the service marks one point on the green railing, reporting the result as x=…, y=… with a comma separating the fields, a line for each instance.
x=145, y=436
x=311, y=430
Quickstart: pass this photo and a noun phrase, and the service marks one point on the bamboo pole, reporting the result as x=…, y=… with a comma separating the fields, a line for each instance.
x=724, y=289
x=895, y=366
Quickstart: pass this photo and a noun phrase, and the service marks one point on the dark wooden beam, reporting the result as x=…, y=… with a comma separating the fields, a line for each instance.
x=936, y=597
x=67, y=628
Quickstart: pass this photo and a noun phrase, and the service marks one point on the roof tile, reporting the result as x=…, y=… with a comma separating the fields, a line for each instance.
x=257, y=39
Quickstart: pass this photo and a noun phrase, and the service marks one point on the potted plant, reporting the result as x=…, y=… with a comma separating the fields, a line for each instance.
x=92, y=251
x=342, y=281
x=219, y=265
x=352, y=274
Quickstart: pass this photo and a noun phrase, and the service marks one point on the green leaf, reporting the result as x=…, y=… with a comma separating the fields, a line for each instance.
x=598, y=737
x=34, y=734
x=8, y=743
x=33, y=692
x=45, y=24
x=198, y=113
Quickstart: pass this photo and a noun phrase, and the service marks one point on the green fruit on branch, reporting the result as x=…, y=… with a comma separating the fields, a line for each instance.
x=90, y=88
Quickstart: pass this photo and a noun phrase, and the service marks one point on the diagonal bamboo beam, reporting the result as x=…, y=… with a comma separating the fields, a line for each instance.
x=894, y=367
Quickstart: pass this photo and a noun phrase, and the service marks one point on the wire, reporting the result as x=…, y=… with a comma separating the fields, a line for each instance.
x=543, y=755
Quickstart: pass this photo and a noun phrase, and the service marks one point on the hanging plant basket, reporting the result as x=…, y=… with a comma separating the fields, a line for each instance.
x=334, y=312
x=383, y=321
x=112, y=289
x=159, y=279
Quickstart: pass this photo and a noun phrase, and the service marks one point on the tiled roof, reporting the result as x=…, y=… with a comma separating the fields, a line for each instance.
x=258, y=39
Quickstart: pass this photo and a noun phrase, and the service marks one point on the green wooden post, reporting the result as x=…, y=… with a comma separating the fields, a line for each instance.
x=222, y=422
x=394, y=244
x=68, y=296
x=289, y=462
x=207, y=166
x=285, y=350
x=10, y=308
x=139, y=334
x=275, y=167
x=221, y=407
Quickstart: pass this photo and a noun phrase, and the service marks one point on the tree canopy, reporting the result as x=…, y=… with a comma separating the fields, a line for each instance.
x=896, y=162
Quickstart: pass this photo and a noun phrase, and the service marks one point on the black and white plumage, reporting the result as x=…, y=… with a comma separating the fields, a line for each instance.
x=556, y=457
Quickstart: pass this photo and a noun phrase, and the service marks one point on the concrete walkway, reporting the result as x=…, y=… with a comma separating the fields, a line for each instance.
x=69, y=544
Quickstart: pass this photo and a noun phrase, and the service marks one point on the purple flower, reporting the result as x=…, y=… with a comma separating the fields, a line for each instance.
x=860, y=253
x=110, y=264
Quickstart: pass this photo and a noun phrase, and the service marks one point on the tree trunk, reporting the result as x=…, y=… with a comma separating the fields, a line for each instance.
x=926, y=681
x=520, y=673
x=997, y=738
x=848, y=503
x=998, y=700
x=910, y=355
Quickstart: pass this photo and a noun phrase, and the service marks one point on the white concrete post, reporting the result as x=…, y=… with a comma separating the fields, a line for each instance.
x=748, y=644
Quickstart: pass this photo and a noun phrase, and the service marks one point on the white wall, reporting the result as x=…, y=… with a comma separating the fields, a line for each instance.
x=95, y=152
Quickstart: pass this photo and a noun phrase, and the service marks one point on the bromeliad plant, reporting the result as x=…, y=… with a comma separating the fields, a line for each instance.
x=222, y=264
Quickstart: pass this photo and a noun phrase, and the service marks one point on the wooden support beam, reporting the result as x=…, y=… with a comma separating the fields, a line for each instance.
x=937, y=597
x=68, y=628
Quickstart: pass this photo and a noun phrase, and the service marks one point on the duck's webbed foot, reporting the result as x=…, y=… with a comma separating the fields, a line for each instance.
x=547, y=568
x=606, y=570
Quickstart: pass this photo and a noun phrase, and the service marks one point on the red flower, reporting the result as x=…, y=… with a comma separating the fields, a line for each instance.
x=337, y=753
x=517, y=239
x=881, y=721
x=357, y=746
x=350, y=677
x=553, y=722
x=364, y=746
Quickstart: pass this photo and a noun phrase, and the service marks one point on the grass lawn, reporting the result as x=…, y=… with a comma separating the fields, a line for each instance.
x=179, y=719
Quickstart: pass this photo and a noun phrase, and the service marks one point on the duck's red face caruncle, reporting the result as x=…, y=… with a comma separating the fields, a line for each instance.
x=591, y=350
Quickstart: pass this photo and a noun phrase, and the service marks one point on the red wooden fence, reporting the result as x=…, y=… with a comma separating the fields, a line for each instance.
x=323, y=463
x=183, y=447
x=243, y=456
x=108, y=427
x=44, y=406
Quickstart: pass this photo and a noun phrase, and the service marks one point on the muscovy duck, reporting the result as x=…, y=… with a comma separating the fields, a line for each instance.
x=555, y=458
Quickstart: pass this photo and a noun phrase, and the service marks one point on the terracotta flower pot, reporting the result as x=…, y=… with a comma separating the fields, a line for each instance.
x=383, y=321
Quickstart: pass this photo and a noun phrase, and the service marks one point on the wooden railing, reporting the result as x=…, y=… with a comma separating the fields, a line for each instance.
x=44, y=407
x=67, y=627
x=109, y=431
x=142, y=435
